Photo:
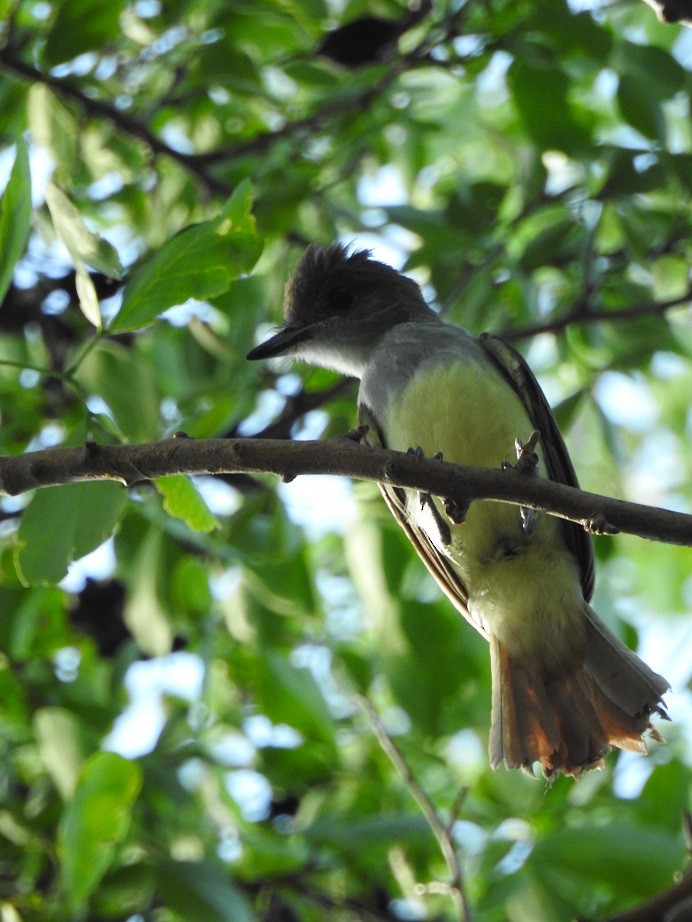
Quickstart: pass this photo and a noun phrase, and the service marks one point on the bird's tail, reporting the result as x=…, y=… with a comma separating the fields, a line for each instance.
x=569, y=719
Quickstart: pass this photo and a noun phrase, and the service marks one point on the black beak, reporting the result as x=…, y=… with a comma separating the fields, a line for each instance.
x=280, y=343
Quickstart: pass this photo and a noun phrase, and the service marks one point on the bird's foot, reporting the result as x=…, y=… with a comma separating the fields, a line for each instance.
x=427, y=501
x=454, y=510
x=359, y=434
x=527, y=459
x=527, y=463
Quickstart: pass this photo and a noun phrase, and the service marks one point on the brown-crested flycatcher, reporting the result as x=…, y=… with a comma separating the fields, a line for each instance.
x=565, y=689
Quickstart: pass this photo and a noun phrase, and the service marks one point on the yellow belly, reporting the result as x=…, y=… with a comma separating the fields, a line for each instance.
x=524, y=588
x=470, y=414
x=463, y=409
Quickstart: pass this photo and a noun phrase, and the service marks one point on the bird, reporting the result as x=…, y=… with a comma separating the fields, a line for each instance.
x=565, y=689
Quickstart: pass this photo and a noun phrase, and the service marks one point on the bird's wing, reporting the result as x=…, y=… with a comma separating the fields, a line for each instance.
x=438, y=564
x=513, y=367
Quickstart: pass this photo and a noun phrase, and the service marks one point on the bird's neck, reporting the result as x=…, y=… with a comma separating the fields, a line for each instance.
x=401, y=355
x=349, y=357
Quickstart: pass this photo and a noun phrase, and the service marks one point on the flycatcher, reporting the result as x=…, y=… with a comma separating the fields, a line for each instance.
x=564, y=688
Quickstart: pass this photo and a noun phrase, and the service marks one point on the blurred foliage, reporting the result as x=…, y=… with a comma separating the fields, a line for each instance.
x=531, y=164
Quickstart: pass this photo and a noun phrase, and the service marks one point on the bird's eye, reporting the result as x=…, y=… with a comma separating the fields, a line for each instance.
x=340, y=297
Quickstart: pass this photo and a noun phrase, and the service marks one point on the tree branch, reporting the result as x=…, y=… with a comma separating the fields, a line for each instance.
x=98, y=109
x=298, y=129
x=298, y=405
x=440, y=830
x=673, y=905
x=198, y=163
x=340, y=456
x=581, y=317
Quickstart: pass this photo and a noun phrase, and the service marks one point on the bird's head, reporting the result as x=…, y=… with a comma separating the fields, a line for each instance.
x=337, y=305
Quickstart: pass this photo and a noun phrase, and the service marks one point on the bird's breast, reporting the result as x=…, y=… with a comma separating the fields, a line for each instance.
x=464, y=409
x=467, y=411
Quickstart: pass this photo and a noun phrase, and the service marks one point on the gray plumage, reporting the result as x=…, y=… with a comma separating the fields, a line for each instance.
x=565, y=689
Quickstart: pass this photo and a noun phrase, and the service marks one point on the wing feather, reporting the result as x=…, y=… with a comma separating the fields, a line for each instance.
x=439, y=566
x=513, y=367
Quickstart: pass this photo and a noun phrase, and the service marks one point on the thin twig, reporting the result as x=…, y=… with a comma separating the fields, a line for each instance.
x=296, y=406
x=295, y=129
x=455, y=887
x=675, y=904
x=331, y=904
x=122, y=120
x=579, y=318
x=198, y=163
x=455, y=809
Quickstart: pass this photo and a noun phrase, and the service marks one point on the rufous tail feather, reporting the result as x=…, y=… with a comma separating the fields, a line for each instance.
x=568, y=720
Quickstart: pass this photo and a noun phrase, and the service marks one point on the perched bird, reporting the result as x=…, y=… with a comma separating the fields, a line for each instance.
x=565, y=689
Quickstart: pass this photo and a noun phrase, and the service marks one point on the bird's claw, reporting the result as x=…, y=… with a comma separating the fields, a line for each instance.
x=358, y=434
x=455, y=511
x=527, y=463
x=426, y=500
x=527, y=459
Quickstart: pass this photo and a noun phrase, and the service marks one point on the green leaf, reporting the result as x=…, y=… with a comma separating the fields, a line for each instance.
x=681, y=164
x=62, y=746
x=79, y=26
x=127, y=382
x=429, y=676
x=292, y=769
x=654, y=67
x=202, y=890
x=123, y=892
x=182, y=499
x=532, y=899
x=35, y=628
x=85, y=247
x=572, y=33
x=15, y=216
x=95, y=821
x=548, y=243
x=664, y=799
x=62, y=524
x=355, y=833
x=265, y=854
x=639, y=859
x=88, y=299
x=199, y=262
x=190, y=590
x=540, y=95
x=566, y=411
x=53, y=126
x=285, y=578
x=640, y=107
x=291, y=695
x=660, y=577
x=625, y=178
x=145, y=613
